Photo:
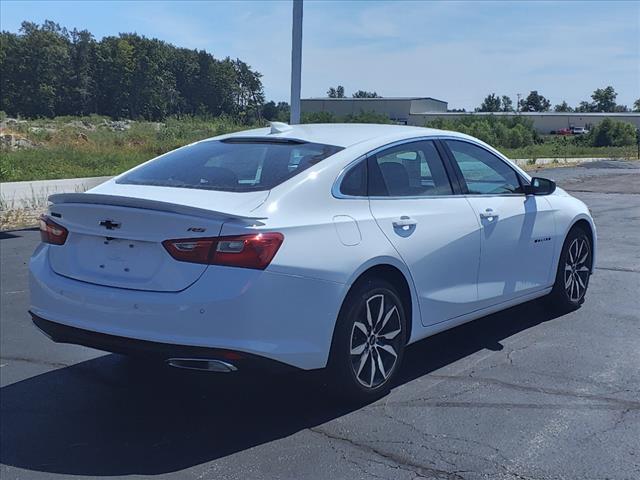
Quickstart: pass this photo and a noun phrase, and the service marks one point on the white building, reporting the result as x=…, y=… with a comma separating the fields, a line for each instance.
x=398, y=109
x=421, y=110
x=543, y=122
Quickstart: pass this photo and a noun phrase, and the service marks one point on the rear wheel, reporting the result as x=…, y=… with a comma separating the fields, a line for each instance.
x=574, y=270
x=369, y=341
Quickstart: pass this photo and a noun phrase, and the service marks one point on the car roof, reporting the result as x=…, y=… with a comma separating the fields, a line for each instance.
x=339, y=134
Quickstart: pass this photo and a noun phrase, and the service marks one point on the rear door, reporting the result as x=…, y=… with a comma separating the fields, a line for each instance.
x=434, y=231
x=517, y=229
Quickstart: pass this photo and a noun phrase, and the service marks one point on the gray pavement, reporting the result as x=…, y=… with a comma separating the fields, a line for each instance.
x=521, y=394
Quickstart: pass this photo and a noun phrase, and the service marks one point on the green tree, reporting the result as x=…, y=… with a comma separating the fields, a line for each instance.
x=563, y=107
x=115, y=68
x=337, y=92
x=273, y=111
x=507, y=104
x=48, y=71
x=636, y=105
x=604, y=99
x=250, y=95
x=491, y=103
x=534, y=102
x=584, y=107
x=365, y=94
x=40, y=69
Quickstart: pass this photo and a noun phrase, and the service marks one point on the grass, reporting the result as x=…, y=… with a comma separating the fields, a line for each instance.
x=556, y=148
x=67, y=149
x=74, y=147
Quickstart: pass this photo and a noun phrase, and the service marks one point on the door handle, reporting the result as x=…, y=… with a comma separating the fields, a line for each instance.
x=489, y=214
x=404, y=222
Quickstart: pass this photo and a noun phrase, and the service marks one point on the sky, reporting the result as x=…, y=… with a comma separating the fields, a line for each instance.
x=453, y=50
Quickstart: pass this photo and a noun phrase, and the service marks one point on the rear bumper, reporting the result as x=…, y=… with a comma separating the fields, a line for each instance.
x=161, y=351
x=284, y=318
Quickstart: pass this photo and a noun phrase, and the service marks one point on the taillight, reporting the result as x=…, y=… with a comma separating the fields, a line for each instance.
x=248, y=251
x=51, y=232
x=194, y=250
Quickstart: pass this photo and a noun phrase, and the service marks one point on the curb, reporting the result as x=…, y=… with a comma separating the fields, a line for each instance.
x=34, y=194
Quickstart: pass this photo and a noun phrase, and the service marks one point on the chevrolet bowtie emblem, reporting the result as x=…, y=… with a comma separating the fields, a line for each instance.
x=110, y=224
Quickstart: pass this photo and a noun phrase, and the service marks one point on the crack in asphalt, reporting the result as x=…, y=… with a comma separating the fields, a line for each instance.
x=503, y=405
x=621, y=418
x=618, y=269
x=422, y=471
x=631, y=404
x=35, y=361
x=501, y=463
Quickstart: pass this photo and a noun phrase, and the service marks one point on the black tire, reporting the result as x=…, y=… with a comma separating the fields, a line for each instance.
x=367, y=374
x=573, y=272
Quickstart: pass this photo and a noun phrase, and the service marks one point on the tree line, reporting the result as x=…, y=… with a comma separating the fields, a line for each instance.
x=50, y=71
x=602, y=100
x=338, y=92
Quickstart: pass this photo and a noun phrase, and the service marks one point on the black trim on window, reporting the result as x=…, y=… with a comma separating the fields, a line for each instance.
x=452, y=171
x=293, y=141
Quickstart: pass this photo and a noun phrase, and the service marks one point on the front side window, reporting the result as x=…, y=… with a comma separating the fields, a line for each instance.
x=235, y=165
x=409, y=170
x=483, y=172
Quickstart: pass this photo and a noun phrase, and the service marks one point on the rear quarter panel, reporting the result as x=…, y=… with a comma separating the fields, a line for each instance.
x=314, y=223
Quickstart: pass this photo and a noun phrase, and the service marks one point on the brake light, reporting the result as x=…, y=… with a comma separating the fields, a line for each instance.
x=194, y=250
x=51, y=232
x=247, y=251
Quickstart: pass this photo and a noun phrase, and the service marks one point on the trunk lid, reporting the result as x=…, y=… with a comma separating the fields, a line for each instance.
x=116, y=240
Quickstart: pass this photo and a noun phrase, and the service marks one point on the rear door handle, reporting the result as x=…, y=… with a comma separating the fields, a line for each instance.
x=404, y=222
x=489, y=214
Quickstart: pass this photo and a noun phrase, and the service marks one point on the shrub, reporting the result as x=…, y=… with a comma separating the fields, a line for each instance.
x=367, y=117
x=506, y=132
x=318, y=117
x=362, y=117
x=612, y=133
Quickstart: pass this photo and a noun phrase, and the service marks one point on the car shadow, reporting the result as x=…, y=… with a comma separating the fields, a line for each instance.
x=113, y=416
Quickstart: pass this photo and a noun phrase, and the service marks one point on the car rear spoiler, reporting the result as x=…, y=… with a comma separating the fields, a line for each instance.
x=133, y=202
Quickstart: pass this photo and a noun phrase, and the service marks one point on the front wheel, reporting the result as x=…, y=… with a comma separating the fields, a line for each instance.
x=574, y=270
x=369, y=341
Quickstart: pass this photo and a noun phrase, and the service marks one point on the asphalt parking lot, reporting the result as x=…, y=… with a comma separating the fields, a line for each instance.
x=521, y=394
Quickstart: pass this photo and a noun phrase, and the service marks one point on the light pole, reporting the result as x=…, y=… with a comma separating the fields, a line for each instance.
x=296, y=61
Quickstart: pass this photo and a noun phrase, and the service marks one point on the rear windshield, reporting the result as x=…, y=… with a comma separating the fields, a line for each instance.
x=230, y=165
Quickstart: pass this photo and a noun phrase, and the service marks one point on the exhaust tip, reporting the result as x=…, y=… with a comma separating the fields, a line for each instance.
x=202, y=364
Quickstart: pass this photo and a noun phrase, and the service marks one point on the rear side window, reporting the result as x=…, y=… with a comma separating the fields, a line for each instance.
x=355, y=181
x=408, y=170
x=236, y=165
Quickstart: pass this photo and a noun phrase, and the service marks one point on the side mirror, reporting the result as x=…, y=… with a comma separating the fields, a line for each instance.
x=540, y=186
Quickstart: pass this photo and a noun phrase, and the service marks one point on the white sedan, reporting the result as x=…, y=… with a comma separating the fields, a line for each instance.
x=308, y=246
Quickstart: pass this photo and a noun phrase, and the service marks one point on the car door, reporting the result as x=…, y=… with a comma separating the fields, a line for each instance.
x=434, y=231
x=517, y=230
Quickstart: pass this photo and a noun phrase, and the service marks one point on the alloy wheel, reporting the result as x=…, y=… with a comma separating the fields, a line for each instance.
x=375, y=341
x=576, y=269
